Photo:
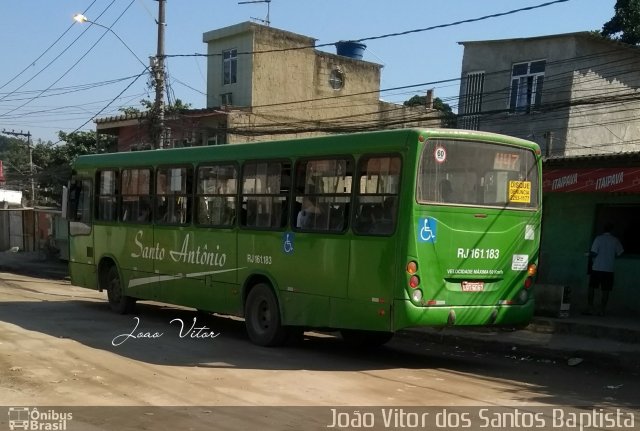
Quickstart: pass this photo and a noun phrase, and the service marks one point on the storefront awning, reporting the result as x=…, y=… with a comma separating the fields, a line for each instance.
x=590, y=180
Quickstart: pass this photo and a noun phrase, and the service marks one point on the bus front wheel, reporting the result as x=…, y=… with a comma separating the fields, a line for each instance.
x=262, y=317
x=118, y=301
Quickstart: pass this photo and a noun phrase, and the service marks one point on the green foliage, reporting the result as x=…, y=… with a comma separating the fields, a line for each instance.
x=449, y=117
x=147, y=105
x=625, y=24
x=52, y=162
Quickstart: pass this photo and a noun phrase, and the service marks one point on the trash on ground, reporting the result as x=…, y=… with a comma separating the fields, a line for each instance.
x=572, y=362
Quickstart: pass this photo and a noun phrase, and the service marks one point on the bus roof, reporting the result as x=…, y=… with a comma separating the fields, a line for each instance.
x=380, y=141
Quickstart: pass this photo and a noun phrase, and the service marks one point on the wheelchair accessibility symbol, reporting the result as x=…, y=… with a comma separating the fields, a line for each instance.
x=427, y=230
x=287, y=242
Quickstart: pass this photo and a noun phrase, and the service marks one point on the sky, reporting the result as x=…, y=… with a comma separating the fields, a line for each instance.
x=57, y=75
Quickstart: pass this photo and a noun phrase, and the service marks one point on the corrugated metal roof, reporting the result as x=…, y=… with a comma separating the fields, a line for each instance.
x=145, y=114
x=621, y=158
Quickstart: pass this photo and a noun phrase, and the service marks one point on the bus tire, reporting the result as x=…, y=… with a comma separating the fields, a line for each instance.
x=365, y=339
x=118, y=301
x=262, y=317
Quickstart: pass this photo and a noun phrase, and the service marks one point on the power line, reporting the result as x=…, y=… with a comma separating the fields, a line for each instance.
x=72, y=66
x=32, y=63
x=109, y=104
x=55, y=59
x=384, y=36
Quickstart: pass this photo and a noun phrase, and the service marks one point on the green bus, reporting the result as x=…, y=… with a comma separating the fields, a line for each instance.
x=365, y=233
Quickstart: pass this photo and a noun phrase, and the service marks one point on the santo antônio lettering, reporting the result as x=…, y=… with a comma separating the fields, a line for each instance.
x=200, y=255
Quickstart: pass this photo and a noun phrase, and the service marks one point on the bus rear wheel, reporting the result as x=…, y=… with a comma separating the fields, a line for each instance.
x=262, y=317
x=365, y=339
x=118, y=301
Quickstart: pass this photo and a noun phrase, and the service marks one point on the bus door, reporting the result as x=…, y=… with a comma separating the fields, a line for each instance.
x=132, y=240
x=374, y=251
x=315, y=252
x=196, y=267
x=81, y=248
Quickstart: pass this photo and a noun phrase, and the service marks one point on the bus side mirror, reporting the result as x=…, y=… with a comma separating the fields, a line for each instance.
x=65, y=202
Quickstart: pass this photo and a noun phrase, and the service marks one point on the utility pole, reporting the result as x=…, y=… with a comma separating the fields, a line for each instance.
x=159, y=76
x=31, y=176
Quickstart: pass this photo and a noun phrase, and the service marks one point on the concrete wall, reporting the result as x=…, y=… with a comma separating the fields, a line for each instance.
x=582, y=72
x=285, y=92
x=238, y=37
x=611, y=76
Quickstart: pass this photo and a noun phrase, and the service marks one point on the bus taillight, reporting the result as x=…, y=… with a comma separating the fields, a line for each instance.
x=528, y=283
x=412, y=267
x=416, y=295
x=532, y=270
x=414, y=281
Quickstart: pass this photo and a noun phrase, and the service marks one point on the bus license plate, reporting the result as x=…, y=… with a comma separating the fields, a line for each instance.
x=473, y=286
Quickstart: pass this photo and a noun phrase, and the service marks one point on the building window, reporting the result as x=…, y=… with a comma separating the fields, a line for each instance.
x=526, y=85
x=226, y=99
x=230, y=66
x=336, y=79
x=472, y=101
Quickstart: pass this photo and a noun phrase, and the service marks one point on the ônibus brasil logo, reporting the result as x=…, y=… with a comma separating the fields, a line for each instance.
x=27, y=418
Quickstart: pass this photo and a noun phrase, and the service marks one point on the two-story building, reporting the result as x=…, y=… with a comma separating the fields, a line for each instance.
x=577, y=96
x=265, y=83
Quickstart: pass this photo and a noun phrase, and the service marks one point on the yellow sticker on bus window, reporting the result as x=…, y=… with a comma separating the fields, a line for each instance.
x=520, y=191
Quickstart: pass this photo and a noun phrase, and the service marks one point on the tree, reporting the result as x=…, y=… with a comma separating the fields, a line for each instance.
x=449, y=117
x=14, y=154
x=625, y=24
x=53, y=162
x=147, y=105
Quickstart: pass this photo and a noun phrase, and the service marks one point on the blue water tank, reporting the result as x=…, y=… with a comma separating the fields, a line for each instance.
x=349, y=48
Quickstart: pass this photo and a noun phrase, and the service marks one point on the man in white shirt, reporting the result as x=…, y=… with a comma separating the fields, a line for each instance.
x=604, y=251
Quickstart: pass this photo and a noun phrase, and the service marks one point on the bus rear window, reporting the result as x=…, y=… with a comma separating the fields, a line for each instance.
x=477, y=173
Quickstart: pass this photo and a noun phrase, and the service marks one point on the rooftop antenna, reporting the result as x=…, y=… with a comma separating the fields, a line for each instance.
x=264, y=21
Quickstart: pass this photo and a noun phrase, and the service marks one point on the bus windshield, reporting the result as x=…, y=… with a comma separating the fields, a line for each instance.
x=474, y=173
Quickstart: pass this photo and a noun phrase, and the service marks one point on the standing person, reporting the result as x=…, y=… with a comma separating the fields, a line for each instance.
x=604, y=251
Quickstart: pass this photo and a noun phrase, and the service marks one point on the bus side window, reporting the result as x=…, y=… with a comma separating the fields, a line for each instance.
x=135, y=199
x=377, y=197
x=216, y=195
x=107, y=195
x=80, y=201
x=265, y=194
x=173, y=195
x=322, y=195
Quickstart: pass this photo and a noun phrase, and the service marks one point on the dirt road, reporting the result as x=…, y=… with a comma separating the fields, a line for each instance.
x=61, y=346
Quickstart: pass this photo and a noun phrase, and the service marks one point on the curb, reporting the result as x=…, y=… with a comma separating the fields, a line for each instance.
x=38, y=270
x=625, y=335
x=622, y=360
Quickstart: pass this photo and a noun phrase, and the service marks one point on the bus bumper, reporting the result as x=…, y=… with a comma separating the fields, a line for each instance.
x=407, y=315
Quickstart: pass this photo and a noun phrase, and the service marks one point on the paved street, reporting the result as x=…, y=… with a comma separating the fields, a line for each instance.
x=60, y=345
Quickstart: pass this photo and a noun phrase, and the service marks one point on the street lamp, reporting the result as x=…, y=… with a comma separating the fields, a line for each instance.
x=157, y=67
x=82, y=19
